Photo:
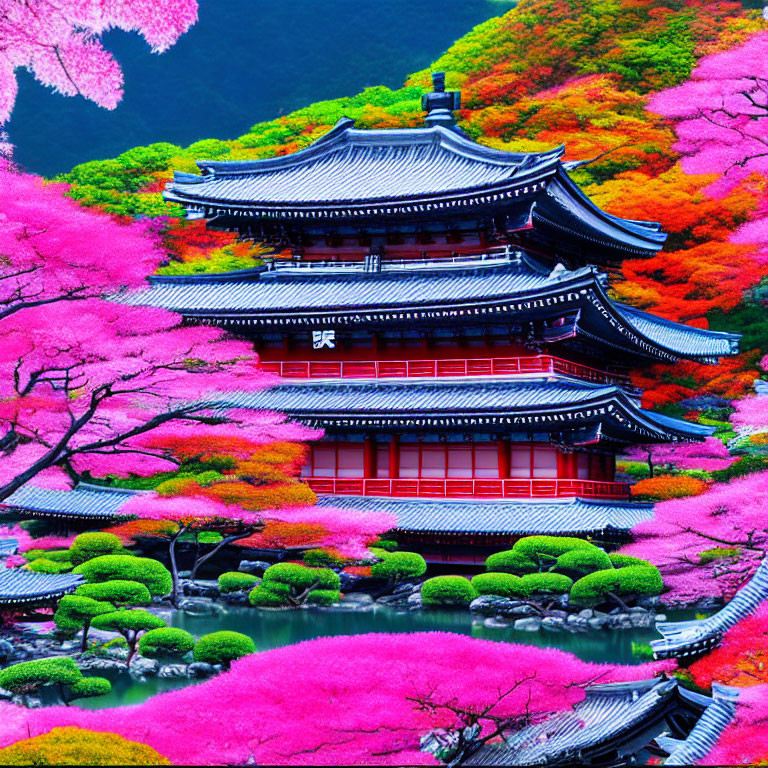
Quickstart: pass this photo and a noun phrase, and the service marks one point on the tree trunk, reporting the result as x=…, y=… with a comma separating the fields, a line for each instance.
x=223, y=543
x=131, y=639
x=621, y=603
x=175, y=567
x=84, y=641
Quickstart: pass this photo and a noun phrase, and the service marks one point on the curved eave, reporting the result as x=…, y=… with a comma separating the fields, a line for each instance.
x=85, y=502
x=22, y=587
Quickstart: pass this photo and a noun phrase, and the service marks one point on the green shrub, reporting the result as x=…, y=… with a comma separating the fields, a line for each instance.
x=400, y=565
x=300, y=577
x=75, y=612
x=235, y=581
x=56, y=555
x=546, y=549
x=509, y=561
x=164, y=642
x=323, y=596
x=746, y=465
x=130, y=624
x=88, y=687
x=545, y=583
x=578, y=562
x=621, y=561
x=632, y=580
x=642, y=651
x=501, y=584
x=119, y=592
x=265, y=598
x=388, y=544
x=86, y=546
x=29, y=676
x=322, y=558
x=153, y=574
x=44, y=565
x=718, y=553
x=223, y=647
x=447, y=590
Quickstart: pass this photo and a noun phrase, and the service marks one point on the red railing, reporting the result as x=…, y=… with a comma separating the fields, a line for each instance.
x=467, y=489
x=495, y=366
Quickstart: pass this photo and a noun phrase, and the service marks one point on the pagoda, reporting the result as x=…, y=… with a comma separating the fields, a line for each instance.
x=445, y=317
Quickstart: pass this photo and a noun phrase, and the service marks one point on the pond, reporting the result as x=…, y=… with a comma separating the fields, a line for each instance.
x=276, y=629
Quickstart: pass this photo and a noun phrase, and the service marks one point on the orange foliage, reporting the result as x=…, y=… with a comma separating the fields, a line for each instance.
x=280, y=535
x=253, y=497
x=131, y=530
x=669, y=487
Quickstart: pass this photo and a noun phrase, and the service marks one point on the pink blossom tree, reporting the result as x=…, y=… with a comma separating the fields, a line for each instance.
x=366, y=703
x=727, y=523
x=88, y=384
x=59, y=42
x=745, y=739
x=708, y=455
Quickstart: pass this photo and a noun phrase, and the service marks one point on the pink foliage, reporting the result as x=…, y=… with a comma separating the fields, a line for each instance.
x=179, y=509
x=26, y=542
x=14, y=561
x=751, y=411
x=337, y=701
x=729, y=515
x=708, y=455
x=59, y=42
x=745, y=739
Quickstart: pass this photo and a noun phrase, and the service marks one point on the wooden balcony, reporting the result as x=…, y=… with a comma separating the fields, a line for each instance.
x=468, y=488
x=402, y=369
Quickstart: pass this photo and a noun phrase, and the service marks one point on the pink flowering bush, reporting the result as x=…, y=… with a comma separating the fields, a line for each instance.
x=728, y=516
x=709, y=455
x=26, y=542
x=745, y=739
x=338, y=701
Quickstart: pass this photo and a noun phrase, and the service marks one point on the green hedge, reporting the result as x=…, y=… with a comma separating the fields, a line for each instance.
x=153, y=574
x=548, y=547
x=165, y=641
x=400, y=565
x=86, y=546
x=120, y=592
x=29, y=675
x=579, y=562
x=265, y=598
x=501, y=584
x=299, y=576
x=323, y=597
x=447, y=590
x=632, y=580
x=509, y=561
x=223, y=647
x=88, y=687
x=235, y=581
x=545, y=583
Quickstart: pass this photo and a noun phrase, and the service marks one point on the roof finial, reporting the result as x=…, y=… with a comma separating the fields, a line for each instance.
x=440, y=104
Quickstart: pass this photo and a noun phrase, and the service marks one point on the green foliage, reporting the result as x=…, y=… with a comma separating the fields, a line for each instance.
x=642, y=651
x=120, y=592
x=165, y=642
x=223, y=647
x=28, y=676
x=76, y=612
x=501, y=584
x=153, y=574
x=447, y=590
x=54, y=555
x=88, y=687
x=259, y=597
x=546, y=549
x=632, y=580
x=621, y=561
x=323, y=596
x=292, y=584
x=509, y=561
x=746, y=465
x=400, y=565
x=86, y=546
x=134, y=620
x=579, y=562
x=387, y=544
x=44, y=565
x=545, y=583
x=234, y=581
x=321, y=558
x=301, y=577
x=718, y=553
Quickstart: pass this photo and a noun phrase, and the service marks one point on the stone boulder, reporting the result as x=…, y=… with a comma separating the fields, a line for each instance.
x=256, y=567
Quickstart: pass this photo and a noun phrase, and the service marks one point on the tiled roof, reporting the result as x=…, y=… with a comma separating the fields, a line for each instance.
x=519, y=405
x=348, y=165
x=609, y=714
x=84, y=501
x=691, y=638
x=502, y=516
x=8, y=547
x=21, y=586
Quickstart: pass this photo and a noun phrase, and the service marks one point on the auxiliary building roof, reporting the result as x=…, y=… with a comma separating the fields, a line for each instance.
x=503, y=517
x=19, y=587
x=85, y=501
x=516, y=290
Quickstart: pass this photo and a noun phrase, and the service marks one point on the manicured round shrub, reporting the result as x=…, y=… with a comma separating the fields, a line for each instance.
x=548, y=548
x=77, y=746
x=388, y=544
x=447, y=590
x=86, y=546
x=621, y=561
x=153, y=574
x=579, y=562
x=88, y=687
x=235, y=581
x=130, y=624
x=323, y=597
x=56, y=555
x=75, y=612
x=509, y=561
x=265, y=598
x=28, y=676
x=501, y=584
x=44, y=565
x=300, y=577
x=164, y=642
x=400, y=565
x=119, y=592
x=223, y=647
x=545, y=583
x=630, y=581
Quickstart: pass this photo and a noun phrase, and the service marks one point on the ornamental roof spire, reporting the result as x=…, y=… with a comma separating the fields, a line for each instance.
x=440, y=104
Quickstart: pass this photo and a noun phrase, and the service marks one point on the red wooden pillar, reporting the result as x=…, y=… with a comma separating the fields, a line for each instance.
x=369, y=458
x=394, y=457
x=567, y=465
x=609, y=467
x=505, y=458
